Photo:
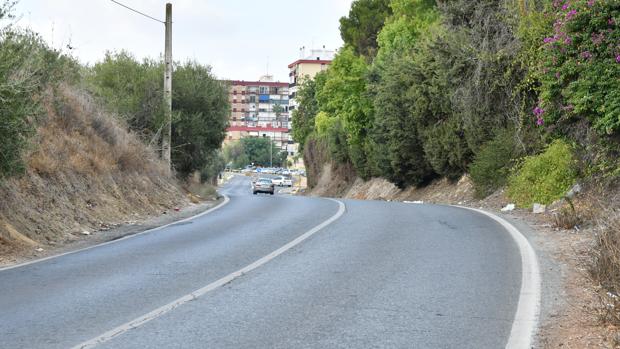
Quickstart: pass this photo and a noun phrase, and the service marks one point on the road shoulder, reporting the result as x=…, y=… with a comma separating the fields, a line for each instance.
x=107, y=234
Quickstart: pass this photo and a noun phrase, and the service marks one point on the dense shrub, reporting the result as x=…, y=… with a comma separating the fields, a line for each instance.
x=344, y=97
x=132, y=89
x=303, y=116
x=545, y=177
x=397, y=151
x=200, y=103
x=27, y=68
x=490, y=168
x=581, y=65
x=438, y=70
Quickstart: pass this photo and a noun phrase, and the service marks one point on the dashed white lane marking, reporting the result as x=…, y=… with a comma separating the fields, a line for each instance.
x=91, y=343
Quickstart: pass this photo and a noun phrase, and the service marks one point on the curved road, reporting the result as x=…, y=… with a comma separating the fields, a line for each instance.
x=384, y=275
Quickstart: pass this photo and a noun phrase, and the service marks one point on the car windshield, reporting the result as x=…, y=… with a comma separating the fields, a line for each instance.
x=264, y=181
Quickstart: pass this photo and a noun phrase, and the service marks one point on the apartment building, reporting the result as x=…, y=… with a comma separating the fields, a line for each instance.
x=306, y=67
x=260, y=109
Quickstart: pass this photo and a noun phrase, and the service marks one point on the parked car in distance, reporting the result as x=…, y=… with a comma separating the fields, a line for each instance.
x=282, y=181
x=263, y=185
x=277, y=180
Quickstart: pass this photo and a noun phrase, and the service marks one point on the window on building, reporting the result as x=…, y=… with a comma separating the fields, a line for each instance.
x=234, y=110
x=234, y=118
x=235, y=92
x=243, y=92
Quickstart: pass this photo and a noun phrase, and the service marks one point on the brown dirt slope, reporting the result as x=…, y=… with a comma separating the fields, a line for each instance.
x=85, y=172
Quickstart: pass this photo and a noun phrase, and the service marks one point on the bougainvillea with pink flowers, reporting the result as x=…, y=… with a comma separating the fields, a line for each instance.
x=581, y=65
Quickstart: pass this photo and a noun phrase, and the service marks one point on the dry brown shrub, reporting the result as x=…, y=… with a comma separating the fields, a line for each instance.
x=566, y=218
x=605, y=266
x=43, y=163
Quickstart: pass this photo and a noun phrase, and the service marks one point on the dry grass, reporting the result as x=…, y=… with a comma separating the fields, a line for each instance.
x=566, y=218
x=605, y=267
x=85, y=170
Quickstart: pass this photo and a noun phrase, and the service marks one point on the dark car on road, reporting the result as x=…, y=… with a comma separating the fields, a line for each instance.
x=263, y=185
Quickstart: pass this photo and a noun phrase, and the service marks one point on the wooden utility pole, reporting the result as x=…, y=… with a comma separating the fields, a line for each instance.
x=167, y=130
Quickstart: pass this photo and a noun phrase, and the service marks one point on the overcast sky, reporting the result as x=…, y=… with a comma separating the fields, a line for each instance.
x=238, y=38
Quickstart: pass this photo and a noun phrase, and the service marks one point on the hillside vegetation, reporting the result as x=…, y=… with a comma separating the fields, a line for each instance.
x=80, y=144
x=451, y=87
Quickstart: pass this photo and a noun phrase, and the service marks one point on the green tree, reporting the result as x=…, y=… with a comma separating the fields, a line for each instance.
x=360, y=29
x=438, y=69
x=257, y=152
x=200, y=105
x=397, y=146
x=132, y=89
x=278, y=110
x=344, y=96
x=235, y=156
x=410, y=19
x=307, y=108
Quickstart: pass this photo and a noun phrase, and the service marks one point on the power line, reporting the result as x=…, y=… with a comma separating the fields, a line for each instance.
x=136, y=11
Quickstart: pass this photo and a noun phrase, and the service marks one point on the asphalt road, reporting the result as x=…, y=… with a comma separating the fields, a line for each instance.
x=384, y=275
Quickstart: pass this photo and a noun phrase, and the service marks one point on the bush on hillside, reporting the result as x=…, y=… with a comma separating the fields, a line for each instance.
x=490, y=169
x=133, y=90
x=27, y=67
x=397, y=150
x=544, y=178
x=200, y=102
x=581, y=65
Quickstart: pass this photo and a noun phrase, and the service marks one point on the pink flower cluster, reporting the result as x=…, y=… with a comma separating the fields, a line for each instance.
x=538, y=112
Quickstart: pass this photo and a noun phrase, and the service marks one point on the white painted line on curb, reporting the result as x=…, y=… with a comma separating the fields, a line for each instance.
x=226, y=200
x=210, y=287
x=528, y=308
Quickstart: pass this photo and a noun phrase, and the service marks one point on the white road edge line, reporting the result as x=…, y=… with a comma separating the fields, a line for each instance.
x=525, y=322
x=91, y=343
x=222, y=204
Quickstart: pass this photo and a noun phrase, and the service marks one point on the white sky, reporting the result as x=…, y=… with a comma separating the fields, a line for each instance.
x=236, y=37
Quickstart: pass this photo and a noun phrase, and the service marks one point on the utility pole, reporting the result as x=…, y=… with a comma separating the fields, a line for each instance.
x=167, y=130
